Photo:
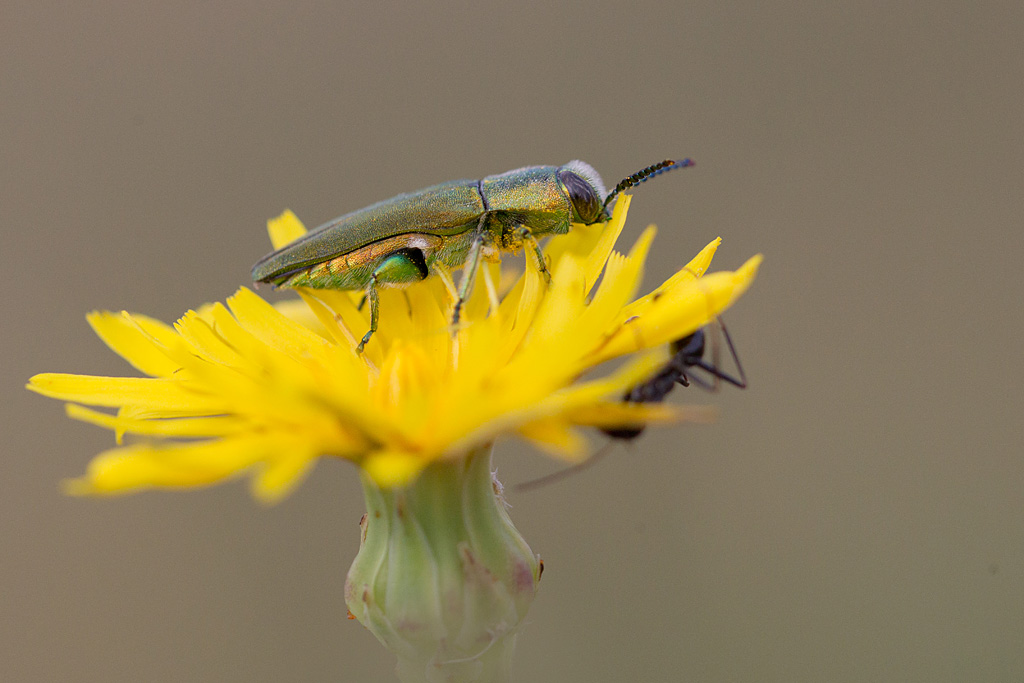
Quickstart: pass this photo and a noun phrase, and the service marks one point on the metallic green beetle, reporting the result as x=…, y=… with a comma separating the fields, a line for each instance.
x=405, y=238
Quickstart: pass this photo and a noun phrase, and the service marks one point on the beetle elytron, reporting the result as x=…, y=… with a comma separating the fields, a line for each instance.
x=405, y=238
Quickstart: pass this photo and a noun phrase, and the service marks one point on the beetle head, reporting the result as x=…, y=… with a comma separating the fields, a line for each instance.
x=585, y=190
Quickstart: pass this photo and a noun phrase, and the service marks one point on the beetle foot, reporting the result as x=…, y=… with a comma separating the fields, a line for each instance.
x=546, y=273
x=362, y=344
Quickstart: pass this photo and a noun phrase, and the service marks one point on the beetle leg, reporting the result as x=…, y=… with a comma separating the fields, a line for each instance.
x=527, y=236
x=374, y=299
x=476, y=252
x=404, y=265
x=446, y=277
x=492, y=291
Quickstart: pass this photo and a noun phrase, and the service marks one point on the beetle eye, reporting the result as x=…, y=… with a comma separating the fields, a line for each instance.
x=585, y=202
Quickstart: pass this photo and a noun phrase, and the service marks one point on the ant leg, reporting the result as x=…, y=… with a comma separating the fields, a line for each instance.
x=713, y=368
x=560, y=474
x=742, y=382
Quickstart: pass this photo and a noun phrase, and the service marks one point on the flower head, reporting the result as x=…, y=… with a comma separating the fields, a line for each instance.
x=249, y=387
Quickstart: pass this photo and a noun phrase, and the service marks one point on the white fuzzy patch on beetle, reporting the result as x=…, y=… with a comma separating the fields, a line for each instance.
x=422, y=242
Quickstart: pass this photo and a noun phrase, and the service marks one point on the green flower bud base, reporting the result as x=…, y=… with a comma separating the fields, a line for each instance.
x=442, y=578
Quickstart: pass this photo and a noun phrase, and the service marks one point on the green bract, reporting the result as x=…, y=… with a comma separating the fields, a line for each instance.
x=442, y=578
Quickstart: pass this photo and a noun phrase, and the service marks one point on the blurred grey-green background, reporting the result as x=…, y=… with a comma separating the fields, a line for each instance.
x=856, y=515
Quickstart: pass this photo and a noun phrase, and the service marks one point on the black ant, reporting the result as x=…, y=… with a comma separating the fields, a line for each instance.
x=687, y=356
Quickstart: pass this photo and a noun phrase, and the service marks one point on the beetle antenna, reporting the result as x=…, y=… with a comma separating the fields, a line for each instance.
x=646, y=174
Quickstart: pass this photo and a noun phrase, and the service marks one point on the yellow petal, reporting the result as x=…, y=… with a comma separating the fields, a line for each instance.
x=393, y=468
x=205, y=343
x=637, y=371
x=112, y=392
x=693, y=270
x=132, y=468
x=637, y=414
x=562, y=303
x=181, y=427
x=279, y=477
x=329, y=320
x=268, y=325
x=127, y=339
x=622, y=279
x=556, y=437
x=285, y=229
x=297, y=310
x=679, y=311
x=598, y=256
x=591, y=243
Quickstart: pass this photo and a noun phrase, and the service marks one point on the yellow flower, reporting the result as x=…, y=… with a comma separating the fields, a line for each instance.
x=254, y=388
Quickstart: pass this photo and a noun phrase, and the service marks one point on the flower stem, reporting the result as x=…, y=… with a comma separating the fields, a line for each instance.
x=442, y=578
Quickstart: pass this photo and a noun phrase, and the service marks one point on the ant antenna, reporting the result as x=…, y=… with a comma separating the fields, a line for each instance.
x=644, y=175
